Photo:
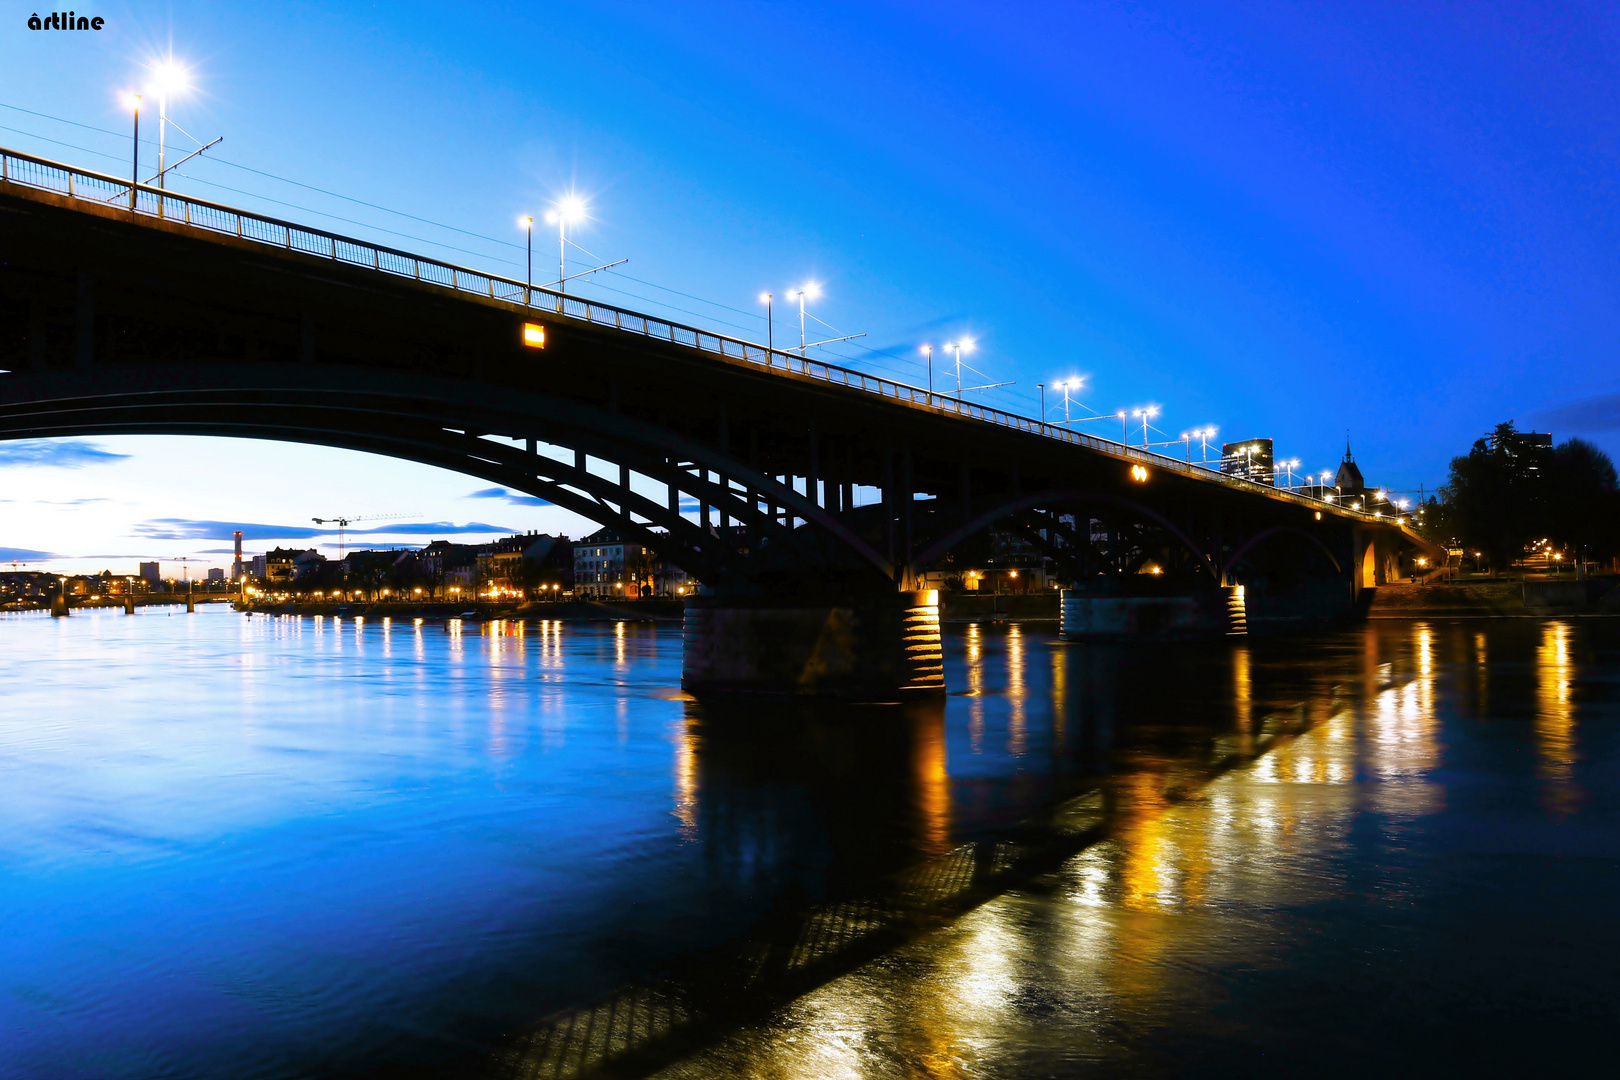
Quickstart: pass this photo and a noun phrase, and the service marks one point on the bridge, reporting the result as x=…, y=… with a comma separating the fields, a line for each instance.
x=809, y=499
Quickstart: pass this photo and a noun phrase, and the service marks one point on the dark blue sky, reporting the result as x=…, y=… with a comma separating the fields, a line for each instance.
x=1287, y=220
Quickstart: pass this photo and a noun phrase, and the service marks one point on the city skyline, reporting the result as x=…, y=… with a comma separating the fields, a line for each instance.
x=1291, y=294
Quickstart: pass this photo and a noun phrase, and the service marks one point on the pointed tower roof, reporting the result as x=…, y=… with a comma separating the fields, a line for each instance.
x=1349, y=480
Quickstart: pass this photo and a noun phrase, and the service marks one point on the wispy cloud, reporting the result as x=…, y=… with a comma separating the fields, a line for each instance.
x=9, y=554
x=512, y=498
x=68, y=502
x=1592, y=414
x=195, y=529
x=58, y=453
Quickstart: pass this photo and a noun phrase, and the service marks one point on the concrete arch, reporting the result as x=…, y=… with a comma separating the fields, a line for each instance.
x=1267, y=534
x=978, y=524
x=440, y=422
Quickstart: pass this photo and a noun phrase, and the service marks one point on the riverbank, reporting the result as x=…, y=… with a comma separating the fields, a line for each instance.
x=1528, y=598
x=565, y=610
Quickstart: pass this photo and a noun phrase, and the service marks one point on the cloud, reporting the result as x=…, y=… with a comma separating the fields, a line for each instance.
x=1591, y=414
x=60, y=453
x=68, y=502
x=194, y=529
x=511, y=497
x=23, y=555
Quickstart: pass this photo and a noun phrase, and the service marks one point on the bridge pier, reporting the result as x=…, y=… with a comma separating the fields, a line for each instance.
x=865, y=647
x=1188, y=615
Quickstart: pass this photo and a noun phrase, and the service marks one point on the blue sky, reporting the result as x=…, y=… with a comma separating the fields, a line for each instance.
x=1285, y=220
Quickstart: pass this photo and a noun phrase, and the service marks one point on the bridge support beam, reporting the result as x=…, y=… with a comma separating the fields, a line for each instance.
x=871, y=647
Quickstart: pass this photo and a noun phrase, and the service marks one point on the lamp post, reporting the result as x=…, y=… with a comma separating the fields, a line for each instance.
x=171, y=78
x=527, y=224
x=1042, y=388
x=770, y=327
x=928, y=358
x=1124, y=429
x=1147, y=412
x=808, y=289
x=569, y=208
x=134, y=103
x=960, y=344
x=1072, y=383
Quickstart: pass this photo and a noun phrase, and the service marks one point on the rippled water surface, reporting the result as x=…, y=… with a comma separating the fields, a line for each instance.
x=279, y=847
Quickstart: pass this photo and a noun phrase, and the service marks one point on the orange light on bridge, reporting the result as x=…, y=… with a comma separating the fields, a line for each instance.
x=1139, y=473
x=1319, y=515
x=534, y=335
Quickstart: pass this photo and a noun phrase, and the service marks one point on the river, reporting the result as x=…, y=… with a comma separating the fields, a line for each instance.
x=288, y=847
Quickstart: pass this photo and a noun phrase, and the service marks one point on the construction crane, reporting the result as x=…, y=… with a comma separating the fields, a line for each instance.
x=343, y=523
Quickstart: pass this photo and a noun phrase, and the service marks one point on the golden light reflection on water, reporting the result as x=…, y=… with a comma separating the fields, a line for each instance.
x=933, y=780
x=1555, y=722
x=686, y=785
x=1017, y=692
x=974, y=665
x=1139, y=910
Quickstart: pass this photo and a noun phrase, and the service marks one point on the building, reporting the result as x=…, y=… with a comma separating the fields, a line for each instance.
x=1250, y=460
x=284, y=567
x=217, y=574
x=607, y=566
x=151, y=573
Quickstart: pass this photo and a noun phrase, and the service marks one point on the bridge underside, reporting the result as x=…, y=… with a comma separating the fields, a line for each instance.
x=762, y=483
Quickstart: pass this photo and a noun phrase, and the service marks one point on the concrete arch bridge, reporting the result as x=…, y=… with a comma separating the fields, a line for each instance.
x=809, y=499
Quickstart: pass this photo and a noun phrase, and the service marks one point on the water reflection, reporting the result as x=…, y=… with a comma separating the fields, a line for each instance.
x=1555, y=722
x=1136, y=934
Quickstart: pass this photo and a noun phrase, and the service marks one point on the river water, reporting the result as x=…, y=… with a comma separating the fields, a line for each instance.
x=289, y=847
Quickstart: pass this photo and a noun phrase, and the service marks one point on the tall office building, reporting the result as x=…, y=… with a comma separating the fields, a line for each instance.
x=1250, y=459
x=149, y=571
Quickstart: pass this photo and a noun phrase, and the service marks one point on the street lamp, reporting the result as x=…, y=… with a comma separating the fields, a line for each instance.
x=171, y=78
x=770, y=327
x=569, y=208
x=1124, y=430
x=526, y=223
x=1146, y=412
x=133, y=101
x=811, y=290
x=1072, y=383
x=960, y=344
x=928, y=356
x=1040, y=386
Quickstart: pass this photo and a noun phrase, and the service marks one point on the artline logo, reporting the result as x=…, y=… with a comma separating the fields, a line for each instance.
x=64, y=20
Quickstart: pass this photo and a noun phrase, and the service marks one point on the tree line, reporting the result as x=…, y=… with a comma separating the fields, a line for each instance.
x=1513, y=491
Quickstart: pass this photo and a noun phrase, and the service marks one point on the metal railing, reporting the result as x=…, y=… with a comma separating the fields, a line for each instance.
x=163, y=205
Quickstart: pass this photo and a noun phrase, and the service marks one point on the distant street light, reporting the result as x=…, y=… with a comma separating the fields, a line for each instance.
x=1124, y=429
x=928, y=357
x=569, y=208
x=1042, y=388
x=770, y=327
x=1288, y=466
x=526, y=223
x=1074, y=382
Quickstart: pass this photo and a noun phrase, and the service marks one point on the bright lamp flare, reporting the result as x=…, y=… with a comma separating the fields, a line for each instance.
x=525, y=222
x=764, y=297
x=170, y=77
x=132, y=101
x=570, y=208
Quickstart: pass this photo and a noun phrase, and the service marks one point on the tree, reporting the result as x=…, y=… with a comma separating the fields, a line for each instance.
x=1512, y=489
x=1495, y=498
x=1585, y=500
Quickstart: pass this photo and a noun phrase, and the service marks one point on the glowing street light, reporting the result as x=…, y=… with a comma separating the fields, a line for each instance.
x=570, y=208
x=171, y=78
x=1074, y=382
x=928, y=356
x=1146, y=412
x=770, y=327
x=960, y=345
x=809, y=290
x=1288, y=466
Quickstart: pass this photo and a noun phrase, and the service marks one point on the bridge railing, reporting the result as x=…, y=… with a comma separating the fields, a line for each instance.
x=162, y=205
